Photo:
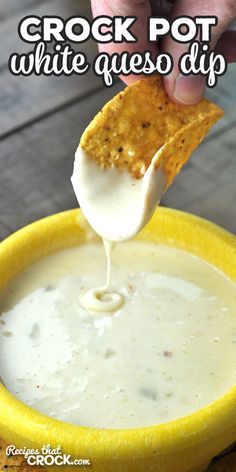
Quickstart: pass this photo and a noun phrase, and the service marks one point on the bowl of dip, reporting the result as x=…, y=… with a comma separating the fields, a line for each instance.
x=183, y=264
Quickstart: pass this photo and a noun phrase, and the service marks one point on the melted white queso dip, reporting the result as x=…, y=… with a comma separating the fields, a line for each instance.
x=169, y=350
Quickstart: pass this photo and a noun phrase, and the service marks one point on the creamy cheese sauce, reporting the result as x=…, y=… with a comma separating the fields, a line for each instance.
x=102, y=299
x=169, y=350
x=117, y=206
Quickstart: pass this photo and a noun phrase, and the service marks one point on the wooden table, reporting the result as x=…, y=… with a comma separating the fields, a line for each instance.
x=42, y=118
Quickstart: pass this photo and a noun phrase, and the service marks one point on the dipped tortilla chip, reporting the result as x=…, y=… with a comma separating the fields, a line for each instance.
x=141, y=122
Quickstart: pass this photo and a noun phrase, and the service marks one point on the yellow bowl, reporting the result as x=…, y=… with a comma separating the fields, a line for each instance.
x=187, y=444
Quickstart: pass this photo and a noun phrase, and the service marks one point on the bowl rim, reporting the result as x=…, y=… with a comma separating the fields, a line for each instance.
x=19, y=419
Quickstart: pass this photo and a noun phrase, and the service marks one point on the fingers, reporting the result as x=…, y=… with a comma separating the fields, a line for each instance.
x=189, y=90
x=227, y=46
x=181, y=89
x=140, y=9
x=161, y=7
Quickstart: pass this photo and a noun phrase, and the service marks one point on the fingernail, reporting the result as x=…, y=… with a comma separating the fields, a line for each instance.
x=189, y=89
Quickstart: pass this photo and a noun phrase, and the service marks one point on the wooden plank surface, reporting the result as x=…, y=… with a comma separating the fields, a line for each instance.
x=9, y=39
x=206, y=186
x=11, y=7
x=225, y=464
x=36, y=164
x=24, y=99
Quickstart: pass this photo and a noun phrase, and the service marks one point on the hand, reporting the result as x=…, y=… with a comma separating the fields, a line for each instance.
x=181, y=89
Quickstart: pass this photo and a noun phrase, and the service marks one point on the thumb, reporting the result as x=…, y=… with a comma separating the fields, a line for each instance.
x=141, y=9
x=189, y=89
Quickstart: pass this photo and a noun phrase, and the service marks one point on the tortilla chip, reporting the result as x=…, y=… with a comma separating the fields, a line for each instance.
x=178, y=150
x=142, y=120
